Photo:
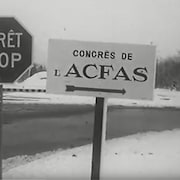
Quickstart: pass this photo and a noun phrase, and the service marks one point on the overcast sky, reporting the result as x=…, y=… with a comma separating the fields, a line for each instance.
x=123, y=21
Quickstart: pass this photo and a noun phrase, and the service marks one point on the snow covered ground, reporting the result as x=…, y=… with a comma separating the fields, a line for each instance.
x=151, y=155
x=162, y=97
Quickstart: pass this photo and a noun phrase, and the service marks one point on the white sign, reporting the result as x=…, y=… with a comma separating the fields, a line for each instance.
x=101, y=69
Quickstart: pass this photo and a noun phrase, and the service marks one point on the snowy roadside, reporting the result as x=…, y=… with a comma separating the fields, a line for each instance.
x=152, y=155
x=162, y=98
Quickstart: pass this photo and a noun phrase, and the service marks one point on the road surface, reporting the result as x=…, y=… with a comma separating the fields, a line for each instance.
x=35, y=128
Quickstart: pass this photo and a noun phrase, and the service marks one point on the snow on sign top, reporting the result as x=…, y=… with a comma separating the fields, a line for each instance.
x=101, y=69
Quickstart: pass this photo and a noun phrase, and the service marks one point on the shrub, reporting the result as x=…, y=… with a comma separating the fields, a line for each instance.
x=168, y=72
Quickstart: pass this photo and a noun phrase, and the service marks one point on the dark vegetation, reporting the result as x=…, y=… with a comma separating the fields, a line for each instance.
x=168, y=72
x=37, y=68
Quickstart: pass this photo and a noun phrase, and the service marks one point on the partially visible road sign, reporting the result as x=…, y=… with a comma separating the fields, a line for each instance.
x=15, y=49
x=101, y=69
x=1, y=99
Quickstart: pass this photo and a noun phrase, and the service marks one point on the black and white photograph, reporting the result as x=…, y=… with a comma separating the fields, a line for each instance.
x=89, y=89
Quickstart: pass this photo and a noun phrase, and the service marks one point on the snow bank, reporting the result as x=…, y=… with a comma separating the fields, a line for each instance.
x=38, y=80
x=151, y=155
x=162, y=97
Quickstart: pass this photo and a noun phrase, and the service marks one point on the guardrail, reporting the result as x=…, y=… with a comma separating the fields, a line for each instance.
x=23, y=90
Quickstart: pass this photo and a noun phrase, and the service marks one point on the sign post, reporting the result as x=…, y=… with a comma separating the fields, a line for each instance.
x=1, y=99
x=99, y=136
x=101, y=70
x=15, y=49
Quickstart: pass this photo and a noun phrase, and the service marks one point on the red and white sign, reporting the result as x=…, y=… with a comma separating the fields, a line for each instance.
x=101, y=69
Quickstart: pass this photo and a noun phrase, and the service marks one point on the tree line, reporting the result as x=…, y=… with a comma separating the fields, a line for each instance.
x=168, y=72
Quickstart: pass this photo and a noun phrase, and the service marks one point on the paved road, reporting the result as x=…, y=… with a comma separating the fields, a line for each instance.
x=30, y=129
